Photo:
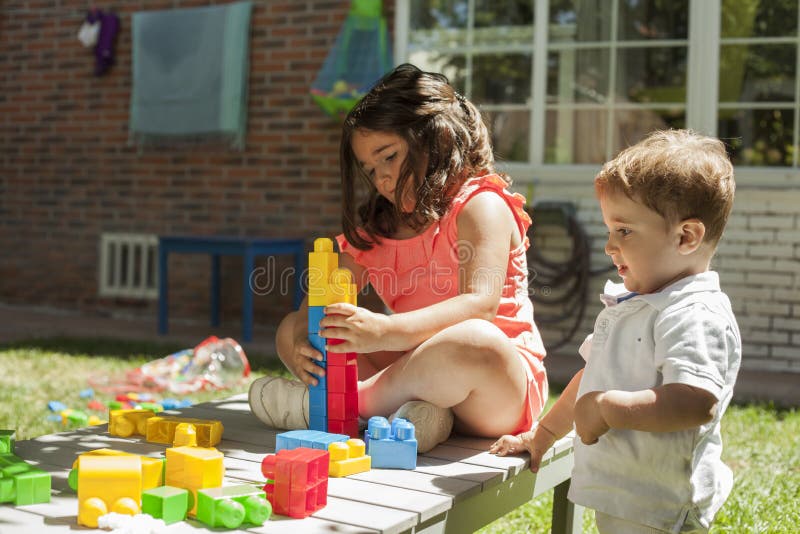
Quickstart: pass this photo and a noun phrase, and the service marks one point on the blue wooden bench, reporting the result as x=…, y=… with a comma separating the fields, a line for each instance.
x=216, y=246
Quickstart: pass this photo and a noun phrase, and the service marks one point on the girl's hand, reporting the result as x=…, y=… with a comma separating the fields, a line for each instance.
x=536, y=442
x=589, y=422
x=301, y=362
x=359, y=329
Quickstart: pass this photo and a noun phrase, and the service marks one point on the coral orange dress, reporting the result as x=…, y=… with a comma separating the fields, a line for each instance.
x=409, y=274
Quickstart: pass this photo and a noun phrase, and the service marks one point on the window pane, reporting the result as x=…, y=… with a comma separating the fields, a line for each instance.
x=653, y=19
x=501, y=78
x=579, y=21
x=633, y=125
x=509, y=131
x=651, y=75
x=757, y=73
x=773, y=18
x=577, y=76
x=758, y=136
x=438, y=23
x=575, y=136
x=503, y=21
x=454, y=67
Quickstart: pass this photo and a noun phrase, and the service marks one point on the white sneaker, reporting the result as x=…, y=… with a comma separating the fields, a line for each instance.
x=280, y=403
x=432, y=425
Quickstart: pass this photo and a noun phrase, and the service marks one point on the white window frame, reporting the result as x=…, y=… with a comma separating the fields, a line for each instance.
x=702, y=92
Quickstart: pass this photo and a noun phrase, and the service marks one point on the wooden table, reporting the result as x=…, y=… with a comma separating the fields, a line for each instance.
x=457, y=487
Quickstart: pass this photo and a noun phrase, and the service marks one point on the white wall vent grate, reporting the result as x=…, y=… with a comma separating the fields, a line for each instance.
x=129, y=265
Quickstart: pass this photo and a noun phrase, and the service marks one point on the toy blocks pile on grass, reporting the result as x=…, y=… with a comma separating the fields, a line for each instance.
x=333, y=402
x=297, y=481
x=391, y=446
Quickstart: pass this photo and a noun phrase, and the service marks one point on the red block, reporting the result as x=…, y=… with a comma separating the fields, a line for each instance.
x=301, y=481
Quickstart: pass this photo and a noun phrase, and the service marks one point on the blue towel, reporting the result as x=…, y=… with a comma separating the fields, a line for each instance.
x=190, y=71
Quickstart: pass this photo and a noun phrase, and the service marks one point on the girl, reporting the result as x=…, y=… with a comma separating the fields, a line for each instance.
x=442, y=241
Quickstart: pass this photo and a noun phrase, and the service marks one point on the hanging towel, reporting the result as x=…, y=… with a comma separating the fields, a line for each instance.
x=190, y=70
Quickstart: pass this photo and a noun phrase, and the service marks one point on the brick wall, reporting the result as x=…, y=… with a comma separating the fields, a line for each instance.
x=758, y=261
x=68, y=173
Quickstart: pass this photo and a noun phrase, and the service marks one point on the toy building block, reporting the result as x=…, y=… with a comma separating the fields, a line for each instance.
x=297, y=481
x=167, y=503
x=194, y=468
x=230, y=506
x=108, y=484
x=311, y=439
x=21, y=483
x=74, y=417
x=391, y=446
x=6, y=442
x=152, y=468
x=125, y=423
x=348, y=458
x=161, y=429
x=333, y=407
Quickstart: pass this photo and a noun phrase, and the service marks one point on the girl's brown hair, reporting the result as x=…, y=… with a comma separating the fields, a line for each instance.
x=447, y=143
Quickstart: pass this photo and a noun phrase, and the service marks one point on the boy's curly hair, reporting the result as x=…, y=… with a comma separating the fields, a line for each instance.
x=448, y=142
x=679, y=174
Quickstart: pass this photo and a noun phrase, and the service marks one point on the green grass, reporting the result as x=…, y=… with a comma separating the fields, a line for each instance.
x=35, y=372
x=761, y=442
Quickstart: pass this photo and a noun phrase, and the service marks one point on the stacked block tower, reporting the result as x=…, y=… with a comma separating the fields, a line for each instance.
x=333, y=402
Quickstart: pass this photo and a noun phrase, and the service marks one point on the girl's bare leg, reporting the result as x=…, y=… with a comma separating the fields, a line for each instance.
x=470, y=367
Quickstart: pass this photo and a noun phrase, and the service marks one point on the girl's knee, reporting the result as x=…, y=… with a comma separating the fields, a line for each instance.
x=476, y=342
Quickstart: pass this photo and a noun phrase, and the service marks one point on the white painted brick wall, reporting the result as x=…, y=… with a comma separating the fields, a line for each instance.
x=758, y=261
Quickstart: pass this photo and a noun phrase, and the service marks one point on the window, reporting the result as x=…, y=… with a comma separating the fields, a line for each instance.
x=758, y=90
x=570, y=82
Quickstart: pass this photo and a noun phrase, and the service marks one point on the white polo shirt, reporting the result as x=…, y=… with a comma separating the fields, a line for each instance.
x=685, y=334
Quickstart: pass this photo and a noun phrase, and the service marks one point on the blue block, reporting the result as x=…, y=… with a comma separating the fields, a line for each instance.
x=317, y=401
x=318, y=343
x=391, y=446
x=56, y=406
x=315, y=315
x=311, y=439
x=318, y=422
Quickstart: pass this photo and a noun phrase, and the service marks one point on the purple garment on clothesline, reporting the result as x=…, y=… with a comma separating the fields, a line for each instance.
x=104, y=49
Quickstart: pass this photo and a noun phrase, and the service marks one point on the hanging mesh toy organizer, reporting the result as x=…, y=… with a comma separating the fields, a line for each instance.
x=358, y=59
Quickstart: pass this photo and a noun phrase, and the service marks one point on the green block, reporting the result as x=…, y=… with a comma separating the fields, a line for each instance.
x=166, y=502
x=33, y=487
x=230, y=506
x=7, y=491
x=22, y=483
x=6, y=442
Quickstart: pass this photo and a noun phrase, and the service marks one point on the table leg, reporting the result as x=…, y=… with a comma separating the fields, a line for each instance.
x=163, y=297
x=248, y=262
x=567, y=516
x=299, y=275
x=214, y=290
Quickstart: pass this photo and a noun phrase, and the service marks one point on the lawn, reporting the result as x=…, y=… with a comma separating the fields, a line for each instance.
x=761, y=442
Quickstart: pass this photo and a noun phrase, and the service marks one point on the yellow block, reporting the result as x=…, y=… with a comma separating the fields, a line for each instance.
x=348, y=458
x=125, y=423
x=108, y=483
x=161, y=429
x=194, y=468
x=321, y=263
x=152, y=468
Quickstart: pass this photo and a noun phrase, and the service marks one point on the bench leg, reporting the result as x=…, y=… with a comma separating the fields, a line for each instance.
x=247, y=296
x=567, y=516
x=163, y=296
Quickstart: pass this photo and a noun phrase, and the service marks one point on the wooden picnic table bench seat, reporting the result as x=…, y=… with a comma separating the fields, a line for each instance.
x=457, y=487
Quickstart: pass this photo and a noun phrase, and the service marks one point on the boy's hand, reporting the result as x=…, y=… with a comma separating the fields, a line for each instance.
x=589, y=423
x=507, y=444
x=302, y=361
x=360, y=330
x=536, y=442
